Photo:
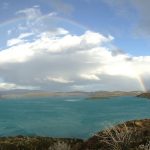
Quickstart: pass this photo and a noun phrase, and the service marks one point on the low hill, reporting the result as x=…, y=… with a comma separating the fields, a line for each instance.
x=90, y=95
x=107, y=94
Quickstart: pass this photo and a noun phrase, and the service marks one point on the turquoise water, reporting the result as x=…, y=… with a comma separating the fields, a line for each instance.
x=67, y=116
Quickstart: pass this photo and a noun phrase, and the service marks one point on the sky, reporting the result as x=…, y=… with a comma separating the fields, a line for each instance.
x=70, y=45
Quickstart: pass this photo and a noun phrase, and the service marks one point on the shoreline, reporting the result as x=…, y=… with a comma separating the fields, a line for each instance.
x=139, y=131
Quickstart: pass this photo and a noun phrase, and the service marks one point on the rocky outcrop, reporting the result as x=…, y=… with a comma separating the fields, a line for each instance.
x=132, y=135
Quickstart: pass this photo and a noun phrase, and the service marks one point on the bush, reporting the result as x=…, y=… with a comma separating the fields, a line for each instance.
x=116, y=138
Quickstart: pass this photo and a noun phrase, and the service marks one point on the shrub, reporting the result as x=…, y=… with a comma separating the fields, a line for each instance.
x=116, y=138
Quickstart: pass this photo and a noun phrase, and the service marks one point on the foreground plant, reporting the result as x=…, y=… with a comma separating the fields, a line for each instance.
x=116, y=138
x=144, y=147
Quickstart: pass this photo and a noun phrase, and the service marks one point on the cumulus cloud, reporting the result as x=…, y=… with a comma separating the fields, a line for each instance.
x=55, y=59
x=12, y=86
x=58, y=60
x=20, y=39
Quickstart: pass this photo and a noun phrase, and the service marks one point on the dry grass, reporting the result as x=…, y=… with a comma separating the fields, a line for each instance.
x=144, y=147
x=116, y=138
x=60, y=146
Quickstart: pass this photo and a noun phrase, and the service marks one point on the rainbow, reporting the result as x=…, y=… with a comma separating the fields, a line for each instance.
x=7, y=22
x=141, y=83
x=74, y=23
x=60, y=19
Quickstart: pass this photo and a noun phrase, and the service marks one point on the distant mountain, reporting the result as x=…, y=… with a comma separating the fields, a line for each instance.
x=92, y=95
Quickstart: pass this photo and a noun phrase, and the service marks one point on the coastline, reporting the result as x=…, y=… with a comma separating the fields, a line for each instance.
x=137, y=130
x=88, y=95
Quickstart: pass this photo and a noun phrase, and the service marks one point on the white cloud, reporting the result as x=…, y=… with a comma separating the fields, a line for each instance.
x=9, y=32
x=90, y=76
x=18, y=40
x=59, y=80
x=7, y=86
x=25, y=35
x=59, y=60
x=11, y=86
x=36, y=21
x=30, y=13
x=52, y=14
x=17, y=53
x=14, y=42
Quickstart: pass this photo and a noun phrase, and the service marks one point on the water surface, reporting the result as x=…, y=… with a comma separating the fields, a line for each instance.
x=67, y=116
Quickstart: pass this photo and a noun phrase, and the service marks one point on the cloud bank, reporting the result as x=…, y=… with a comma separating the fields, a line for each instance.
x=58, y=60
x=62, y=61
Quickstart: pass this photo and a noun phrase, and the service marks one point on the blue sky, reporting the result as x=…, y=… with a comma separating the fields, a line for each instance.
x=102, y=40
x=119, y=20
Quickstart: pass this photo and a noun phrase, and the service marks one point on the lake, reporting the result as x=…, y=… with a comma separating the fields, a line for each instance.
x=73, y=117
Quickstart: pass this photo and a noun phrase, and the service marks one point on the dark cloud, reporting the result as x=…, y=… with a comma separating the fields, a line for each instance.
x=116, y=52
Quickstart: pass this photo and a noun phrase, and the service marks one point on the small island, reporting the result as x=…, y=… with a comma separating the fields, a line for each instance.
x=144, y=95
